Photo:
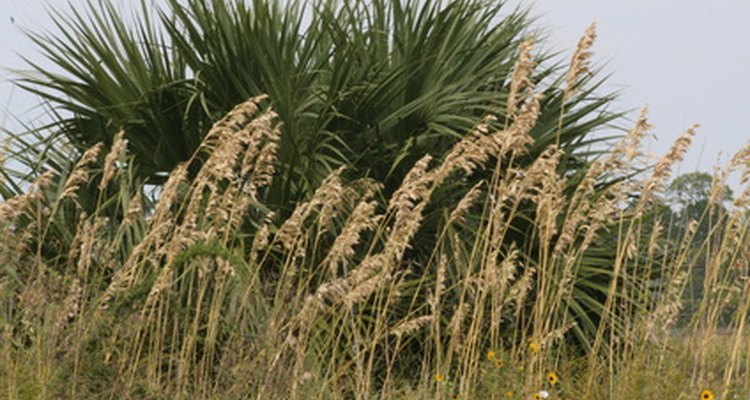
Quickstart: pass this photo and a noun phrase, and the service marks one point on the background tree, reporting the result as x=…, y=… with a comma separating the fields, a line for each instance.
x=689, y=196
x=691, y=204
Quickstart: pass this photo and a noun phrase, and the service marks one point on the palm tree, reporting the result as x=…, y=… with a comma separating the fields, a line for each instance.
x=373, y=85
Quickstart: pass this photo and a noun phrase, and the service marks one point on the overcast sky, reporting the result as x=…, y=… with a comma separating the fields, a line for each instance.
x=689, y=60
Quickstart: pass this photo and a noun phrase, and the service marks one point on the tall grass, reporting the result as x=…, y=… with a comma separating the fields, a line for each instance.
x=206, y=294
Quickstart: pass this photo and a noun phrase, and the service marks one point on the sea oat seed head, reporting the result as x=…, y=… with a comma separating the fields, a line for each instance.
x=521, y=85
x=110, y=161
x=580, y=62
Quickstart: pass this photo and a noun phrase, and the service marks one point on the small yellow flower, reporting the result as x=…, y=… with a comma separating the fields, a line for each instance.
x=499, y=363
x=491, y=355
x=509, y=394
x=534, y=347
x=707, y=395
x=552, y=378
x=439, y=378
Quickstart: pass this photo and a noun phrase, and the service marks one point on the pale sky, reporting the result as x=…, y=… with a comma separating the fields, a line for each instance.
x=689, y=60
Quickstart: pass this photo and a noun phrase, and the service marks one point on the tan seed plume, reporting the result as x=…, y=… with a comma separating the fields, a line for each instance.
x=410, y=326
x=465, y=204
x=580, y=62
x=110, y=161
x=135, y=209
x=615, y=164
x=81, y=171
x=261, y=239
x=741, y=161
x=291, y=230
x=521, y=85
x=362, y=219
x=169, y=195
x=663, y=168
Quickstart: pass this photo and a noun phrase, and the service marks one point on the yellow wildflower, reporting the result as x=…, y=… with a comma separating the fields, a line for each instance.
x=534, y=347
x=552, y=378
x=491, y=355
x=707, y=395
x=439, y=378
